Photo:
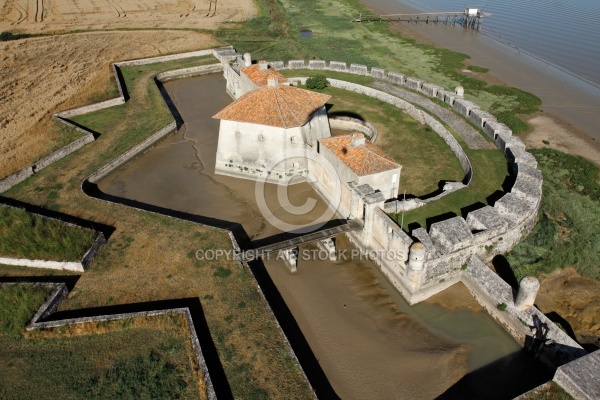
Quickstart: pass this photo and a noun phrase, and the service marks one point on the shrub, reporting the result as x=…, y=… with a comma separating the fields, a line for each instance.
x=501, y=306
x=317, y=82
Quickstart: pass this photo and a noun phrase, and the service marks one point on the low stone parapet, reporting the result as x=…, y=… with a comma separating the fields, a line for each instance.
x=296, y=64
x=132, y=153
x=359, y=69
x=316, y=64
x=189, y=72
x=579, y=378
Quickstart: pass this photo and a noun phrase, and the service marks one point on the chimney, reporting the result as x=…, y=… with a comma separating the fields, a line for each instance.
x=273, y=82
x=247, y=60
x=357, y=139
x=263, y=66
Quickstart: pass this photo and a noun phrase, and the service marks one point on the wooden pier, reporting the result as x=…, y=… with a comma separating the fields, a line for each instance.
x=470, y=18
x=253, y=254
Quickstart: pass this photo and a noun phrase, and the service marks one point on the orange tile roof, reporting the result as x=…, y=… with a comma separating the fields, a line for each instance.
x=281, y=106
x=261, y=77
x=364, y=159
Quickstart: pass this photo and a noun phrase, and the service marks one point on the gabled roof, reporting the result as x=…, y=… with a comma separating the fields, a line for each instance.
x=274, y=105
x=260, y=77
x=363, y=159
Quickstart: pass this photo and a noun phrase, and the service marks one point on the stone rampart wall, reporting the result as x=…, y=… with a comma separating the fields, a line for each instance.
x=189, y=72
x=160, y=59
x=62, y=152
x=60, y=265
x=580, y=377
x=490, y=291
x=15, y=178
x=132, y=153
x=91, y=107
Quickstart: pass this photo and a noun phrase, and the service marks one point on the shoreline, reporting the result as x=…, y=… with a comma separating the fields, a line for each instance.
x=570, y=107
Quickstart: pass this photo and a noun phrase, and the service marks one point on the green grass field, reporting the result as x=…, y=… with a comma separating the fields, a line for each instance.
x=567, y=232
x=24, y=235
x=123, y=362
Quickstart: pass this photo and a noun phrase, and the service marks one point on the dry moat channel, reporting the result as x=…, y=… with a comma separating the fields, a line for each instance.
x=353, y=333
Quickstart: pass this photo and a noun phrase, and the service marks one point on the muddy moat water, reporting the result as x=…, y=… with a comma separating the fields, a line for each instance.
x=368, y=341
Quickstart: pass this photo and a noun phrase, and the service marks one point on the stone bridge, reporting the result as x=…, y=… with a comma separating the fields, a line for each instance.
x=287, y=244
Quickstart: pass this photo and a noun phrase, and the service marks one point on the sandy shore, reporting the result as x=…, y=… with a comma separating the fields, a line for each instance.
x=571, y=108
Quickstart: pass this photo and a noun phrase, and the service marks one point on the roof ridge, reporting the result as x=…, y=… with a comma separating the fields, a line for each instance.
x=370, y=150
x=278, y=104
x=291, y=109
x=362, y=167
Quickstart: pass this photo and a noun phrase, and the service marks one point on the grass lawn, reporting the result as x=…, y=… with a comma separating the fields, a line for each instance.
x=150, y=257
x=490, y=169
x=399, y=135
x=24, y=235
x=131, y=359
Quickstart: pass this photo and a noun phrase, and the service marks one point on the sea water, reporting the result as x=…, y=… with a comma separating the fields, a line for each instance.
x=564, y=33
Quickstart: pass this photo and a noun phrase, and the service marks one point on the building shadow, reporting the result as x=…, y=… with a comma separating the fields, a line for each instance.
x=438, y=218
x=503, y=379
x=238, y=231
x=505, y=271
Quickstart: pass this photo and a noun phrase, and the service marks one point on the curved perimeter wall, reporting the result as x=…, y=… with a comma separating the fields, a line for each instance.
x=485, y=232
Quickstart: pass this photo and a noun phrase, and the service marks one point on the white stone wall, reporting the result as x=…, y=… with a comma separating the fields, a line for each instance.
x=251, y=151
x=317, y=127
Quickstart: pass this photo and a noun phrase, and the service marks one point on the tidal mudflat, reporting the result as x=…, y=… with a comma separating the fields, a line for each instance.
x=367, y=340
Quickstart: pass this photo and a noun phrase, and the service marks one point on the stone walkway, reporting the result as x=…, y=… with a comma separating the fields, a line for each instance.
x=470, y=135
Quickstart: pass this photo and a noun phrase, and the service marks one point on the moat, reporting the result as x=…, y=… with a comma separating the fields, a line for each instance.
x=366, y=338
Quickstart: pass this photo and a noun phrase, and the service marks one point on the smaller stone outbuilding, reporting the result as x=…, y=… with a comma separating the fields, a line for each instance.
x=358, y=161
